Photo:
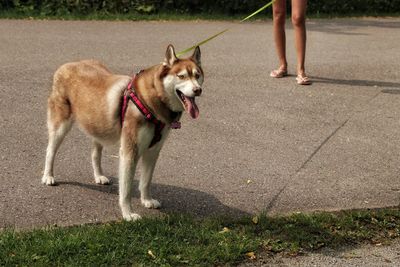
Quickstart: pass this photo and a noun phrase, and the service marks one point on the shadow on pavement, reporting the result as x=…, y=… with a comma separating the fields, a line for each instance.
x=355, y=82
x=347, y=27
x=174, y=199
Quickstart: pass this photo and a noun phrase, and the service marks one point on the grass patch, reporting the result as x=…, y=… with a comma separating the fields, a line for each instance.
x=182, y=240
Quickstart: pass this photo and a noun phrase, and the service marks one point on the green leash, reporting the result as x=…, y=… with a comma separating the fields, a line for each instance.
x=221, y=32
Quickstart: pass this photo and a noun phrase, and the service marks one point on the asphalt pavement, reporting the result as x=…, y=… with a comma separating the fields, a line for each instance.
x=260, y=144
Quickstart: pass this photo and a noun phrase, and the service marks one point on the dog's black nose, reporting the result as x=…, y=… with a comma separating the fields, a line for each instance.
x=197, y=91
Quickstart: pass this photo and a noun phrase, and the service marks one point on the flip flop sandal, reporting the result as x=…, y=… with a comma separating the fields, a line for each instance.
x=279, y=73
x=303, y=80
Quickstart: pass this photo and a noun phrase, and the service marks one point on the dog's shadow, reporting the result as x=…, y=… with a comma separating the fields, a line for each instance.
x=174, y=199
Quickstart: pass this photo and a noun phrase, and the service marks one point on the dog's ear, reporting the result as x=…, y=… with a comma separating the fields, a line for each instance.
x=196, y=57
x=170, y=56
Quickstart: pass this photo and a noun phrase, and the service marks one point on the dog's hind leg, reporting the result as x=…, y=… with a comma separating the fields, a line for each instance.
x=59, y=123
x=149, y=160
x=97, y=149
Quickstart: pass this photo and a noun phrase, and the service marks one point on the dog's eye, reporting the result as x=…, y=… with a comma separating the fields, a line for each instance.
x=197, y=76
x=181, y=77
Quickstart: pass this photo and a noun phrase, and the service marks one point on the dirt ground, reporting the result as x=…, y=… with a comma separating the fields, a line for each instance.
x=377, y=255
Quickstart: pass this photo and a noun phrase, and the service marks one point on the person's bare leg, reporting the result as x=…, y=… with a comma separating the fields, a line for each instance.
x=279, y=17
x=299, y=24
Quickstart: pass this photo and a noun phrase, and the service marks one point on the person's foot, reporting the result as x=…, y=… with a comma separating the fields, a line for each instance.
x=302, y=79
x=279, y=73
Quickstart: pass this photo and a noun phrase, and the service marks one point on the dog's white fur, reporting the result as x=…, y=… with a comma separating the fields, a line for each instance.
x=86, y=92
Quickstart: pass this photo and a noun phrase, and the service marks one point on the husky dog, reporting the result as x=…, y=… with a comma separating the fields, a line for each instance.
x=88, y=93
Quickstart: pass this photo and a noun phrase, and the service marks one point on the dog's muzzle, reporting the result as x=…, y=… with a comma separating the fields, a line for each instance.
x=197, y=91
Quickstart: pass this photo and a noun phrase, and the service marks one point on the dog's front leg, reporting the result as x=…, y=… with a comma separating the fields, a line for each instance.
x=149, y=160
x=127, y=166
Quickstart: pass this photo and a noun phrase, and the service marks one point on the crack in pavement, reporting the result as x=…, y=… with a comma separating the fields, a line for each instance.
x=320, y=146
x=334, y=132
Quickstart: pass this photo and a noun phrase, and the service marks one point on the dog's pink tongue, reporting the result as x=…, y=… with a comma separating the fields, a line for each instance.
x=191, y=107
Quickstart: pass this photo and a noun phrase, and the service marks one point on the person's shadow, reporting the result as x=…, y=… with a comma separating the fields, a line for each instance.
x=394, y=86
x=350, y=26
x=174, y=199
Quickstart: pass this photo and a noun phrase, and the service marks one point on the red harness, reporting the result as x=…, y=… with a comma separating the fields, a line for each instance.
x=158, y=125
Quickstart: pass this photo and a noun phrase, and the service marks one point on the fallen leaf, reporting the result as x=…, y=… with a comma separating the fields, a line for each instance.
x=151, y=254
x=224, y=230
x=251, y=255
x=392, y=233
x=255, y=220
x=351, y=255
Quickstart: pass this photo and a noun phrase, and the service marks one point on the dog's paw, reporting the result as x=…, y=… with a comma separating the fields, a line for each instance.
x=101, y=179
x=151, y=203
x=131, y=217
x=48, y=180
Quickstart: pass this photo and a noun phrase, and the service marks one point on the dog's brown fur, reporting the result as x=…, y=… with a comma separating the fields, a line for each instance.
x=88, y=93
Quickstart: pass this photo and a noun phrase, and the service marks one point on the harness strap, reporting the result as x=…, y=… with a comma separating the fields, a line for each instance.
x=131, y=95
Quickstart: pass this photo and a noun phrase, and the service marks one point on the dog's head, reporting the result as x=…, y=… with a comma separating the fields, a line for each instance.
x=182, y=80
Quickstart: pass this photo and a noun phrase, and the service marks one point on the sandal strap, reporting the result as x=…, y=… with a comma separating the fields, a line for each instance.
x=278, y=73
x=303, y=79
